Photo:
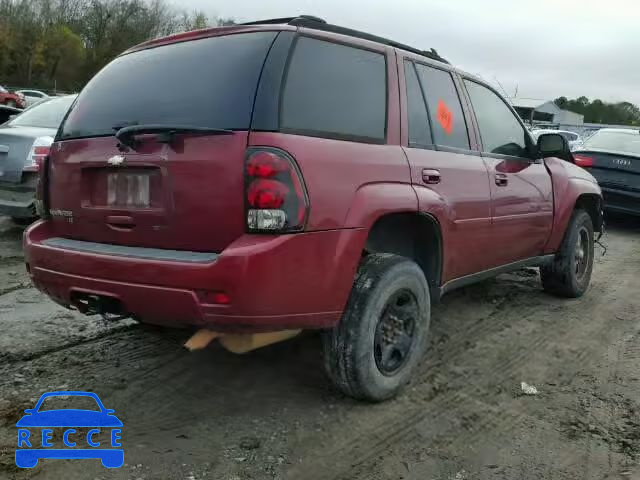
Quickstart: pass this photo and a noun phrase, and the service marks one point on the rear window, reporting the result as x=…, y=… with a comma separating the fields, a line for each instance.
x=209, y=82
x=335, y=91
x=419, y=132
x=445, y=110
x=623, y=142
x=48, y=114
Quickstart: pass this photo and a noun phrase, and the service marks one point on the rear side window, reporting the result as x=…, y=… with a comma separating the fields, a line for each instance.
x=500, y=130
x=419, y=133
x=209, y=82
x=445, y=111
x=335, y=91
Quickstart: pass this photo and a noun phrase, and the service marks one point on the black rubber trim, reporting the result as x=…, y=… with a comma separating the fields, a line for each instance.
x=131, y=252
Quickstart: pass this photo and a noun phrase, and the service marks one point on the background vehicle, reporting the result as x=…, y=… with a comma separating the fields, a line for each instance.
x=6, y=113
x=24, y=143
x=612, y=156
x=574, y=140
x=11, y=99
x=311, y=177
x=32, y=97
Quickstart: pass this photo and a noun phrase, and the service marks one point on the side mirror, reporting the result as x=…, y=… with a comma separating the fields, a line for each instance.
x=11, y=117
x=553, y=145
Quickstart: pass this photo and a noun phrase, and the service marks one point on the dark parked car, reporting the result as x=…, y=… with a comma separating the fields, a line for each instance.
x=24, y=142
x=612, y=156
x=303, y=176
x=12, y=99
x=7, y=113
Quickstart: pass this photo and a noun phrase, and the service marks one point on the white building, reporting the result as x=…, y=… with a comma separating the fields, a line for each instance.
x=540, y=111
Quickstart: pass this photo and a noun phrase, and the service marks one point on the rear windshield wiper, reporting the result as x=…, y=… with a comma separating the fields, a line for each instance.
x=126, y=135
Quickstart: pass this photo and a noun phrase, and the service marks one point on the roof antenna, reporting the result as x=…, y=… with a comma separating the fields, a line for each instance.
x=501, y=87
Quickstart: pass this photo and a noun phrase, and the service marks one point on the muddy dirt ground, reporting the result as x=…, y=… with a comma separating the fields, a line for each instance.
x=273, y=414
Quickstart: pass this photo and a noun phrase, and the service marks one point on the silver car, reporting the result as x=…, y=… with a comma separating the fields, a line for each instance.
x=24, y=143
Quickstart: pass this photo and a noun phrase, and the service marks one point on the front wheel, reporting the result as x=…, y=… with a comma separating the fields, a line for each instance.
x=570, y=272
x=372, y=353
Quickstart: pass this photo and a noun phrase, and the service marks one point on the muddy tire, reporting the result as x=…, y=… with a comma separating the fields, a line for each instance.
x=372, y=353
x=570, y=272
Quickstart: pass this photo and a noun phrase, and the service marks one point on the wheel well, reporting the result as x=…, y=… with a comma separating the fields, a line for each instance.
x=591, y=203
x=413, y=235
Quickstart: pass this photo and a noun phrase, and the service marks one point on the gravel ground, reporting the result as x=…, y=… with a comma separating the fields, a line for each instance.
x=272, y=413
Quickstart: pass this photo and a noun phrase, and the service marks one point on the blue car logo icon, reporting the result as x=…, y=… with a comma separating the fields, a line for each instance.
x=32, y=446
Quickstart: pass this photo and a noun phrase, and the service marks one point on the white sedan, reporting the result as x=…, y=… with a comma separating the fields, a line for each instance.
x=33, y=96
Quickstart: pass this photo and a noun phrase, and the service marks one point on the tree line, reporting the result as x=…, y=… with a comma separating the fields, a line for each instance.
x=61, y=44
x=597, y=111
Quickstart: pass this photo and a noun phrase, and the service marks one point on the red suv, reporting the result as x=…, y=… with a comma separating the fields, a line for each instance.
x=306, y=176
x=12, y=99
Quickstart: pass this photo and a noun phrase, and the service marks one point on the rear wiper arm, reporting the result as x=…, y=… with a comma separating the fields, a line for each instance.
x=126, y=135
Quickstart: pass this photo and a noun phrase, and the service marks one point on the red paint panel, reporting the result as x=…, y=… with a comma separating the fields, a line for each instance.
x=298, y=280
x=335, y=170
x=569, y=182
x=522, y=209
x=196, y=191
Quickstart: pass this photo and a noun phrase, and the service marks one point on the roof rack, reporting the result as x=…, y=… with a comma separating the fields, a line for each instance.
x=317, y=23
x=285, y=20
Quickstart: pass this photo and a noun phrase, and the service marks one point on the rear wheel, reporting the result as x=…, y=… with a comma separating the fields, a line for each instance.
x=372, y=353
x=570, y=272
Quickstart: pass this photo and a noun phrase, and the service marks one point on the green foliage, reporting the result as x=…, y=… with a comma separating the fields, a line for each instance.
x=61, y=44
x=621, y=113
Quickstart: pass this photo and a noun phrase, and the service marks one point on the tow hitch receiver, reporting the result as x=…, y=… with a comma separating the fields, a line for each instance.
x=238, y=342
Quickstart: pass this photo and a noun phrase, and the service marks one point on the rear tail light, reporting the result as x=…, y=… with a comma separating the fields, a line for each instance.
x=275, y=196
x=37, y=154
x=583, y=160
x=42, y=189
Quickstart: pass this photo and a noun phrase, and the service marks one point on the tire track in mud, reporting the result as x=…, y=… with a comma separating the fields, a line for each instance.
x=400, y=427
x=404, y=430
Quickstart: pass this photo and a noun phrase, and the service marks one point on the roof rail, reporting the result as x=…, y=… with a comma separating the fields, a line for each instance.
x=285, y=20
x=316, y=23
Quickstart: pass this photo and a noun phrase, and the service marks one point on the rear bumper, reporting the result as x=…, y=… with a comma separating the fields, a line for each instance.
x=621, y=201
x=274, y=282
x=17, y=202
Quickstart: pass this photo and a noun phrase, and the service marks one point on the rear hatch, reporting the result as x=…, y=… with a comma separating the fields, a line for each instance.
x=177, y=189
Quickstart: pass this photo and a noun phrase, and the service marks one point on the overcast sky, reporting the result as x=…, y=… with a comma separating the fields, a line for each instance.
x=544, y=48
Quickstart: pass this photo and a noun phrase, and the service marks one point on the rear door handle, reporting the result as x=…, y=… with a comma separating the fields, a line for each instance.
x=502, y=180
x=431, y=176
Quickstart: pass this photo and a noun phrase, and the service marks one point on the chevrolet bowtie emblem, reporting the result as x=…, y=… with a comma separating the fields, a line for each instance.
x=116, y=160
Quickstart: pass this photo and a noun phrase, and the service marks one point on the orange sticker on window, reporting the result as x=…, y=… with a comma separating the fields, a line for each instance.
x=445, y=117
